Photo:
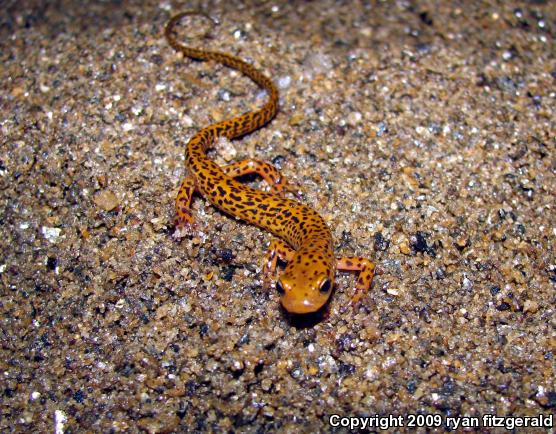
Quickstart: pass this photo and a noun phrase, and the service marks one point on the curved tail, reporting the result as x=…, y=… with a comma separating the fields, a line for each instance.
x=247, y=122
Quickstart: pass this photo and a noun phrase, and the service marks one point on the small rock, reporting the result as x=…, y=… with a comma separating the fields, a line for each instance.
x=393, y=291
x=284, y=82
x=51, y=234
x=530, y=306
x=404, y=248
x=106, y=200
x=227, y=149
x=354, y=118
x=296, y=119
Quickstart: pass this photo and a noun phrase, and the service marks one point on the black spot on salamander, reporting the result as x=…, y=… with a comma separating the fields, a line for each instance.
x=295, y=219
x=221, y=191
x=235, y=197
x=263, y=206
x=249, y=203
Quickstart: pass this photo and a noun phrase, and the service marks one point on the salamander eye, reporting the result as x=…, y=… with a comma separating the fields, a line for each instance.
x=280, y=288
x=325, y=286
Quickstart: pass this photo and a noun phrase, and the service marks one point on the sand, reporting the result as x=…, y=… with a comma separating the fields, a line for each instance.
x=423, y=132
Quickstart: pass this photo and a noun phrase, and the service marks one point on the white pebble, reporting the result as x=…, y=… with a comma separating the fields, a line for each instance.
x=51, y=234
x=228, y=151
x=284, y=82
x=186, y=121
x=467, y=284
x=128, y=126
x=354, y=118
x=60, y=419
x=393, y=291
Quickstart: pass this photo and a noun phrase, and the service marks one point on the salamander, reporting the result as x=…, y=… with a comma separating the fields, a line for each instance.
x=304, y=241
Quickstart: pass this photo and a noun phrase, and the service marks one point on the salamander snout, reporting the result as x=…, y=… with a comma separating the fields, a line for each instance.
x=301, y=295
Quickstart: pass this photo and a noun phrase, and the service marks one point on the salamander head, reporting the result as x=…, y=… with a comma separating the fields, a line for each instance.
x=305, y=286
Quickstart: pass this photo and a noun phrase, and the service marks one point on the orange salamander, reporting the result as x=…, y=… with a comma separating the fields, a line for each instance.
x=304, y=240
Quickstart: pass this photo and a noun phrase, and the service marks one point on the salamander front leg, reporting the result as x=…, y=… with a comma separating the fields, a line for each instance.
x=278, y=249
x=366, y=272
x=278, y=183
x=185, y=224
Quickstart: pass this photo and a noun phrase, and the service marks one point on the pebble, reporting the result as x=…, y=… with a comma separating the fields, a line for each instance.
x=284, y=82
x=227, y=149
x=106, y=200
x=530, y=306
x=51, y=234
x=354, y=118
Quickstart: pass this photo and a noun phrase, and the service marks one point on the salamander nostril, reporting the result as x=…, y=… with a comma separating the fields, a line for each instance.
x=280, y=288
x=325, y=286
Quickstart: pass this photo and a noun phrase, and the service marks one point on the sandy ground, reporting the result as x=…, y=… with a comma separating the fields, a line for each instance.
x=423, y=132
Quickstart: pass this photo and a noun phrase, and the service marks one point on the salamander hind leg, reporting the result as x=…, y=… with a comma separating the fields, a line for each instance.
x=278, y=249
x=366, y=272
x=278, y=183
x=184, y=222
